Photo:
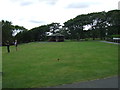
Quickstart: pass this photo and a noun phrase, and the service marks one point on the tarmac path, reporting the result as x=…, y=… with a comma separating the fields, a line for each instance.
x=110, y=42
x=111, y=82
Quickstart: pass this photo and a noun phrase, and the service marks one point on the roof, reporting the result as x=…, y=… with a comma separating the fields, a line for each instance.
x=56, y=34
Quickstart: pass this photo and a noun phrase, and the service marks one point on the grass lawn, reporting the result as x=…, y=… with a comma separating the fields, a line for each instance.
x=0, y=67
x=35, y=65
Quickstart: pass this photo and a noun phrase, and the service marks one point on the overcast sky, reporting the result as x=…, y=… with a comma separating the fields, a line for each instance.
x=33, y=13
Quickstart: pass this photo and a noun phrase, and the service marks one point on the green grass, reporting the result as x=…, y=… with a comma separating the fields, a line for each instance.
x=35, y=65
x=0, y=67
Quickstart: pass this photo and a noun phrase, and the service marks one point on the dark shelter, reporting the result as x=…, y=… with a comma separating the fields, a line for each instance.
x=56, y=37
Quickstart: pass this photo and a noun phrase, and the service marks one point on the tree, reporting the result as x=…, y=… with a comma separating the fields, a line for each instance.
x=7, y=30
x=64, y=31
x=70, y=28
x=113, y=20
x=76, y=26
x=18, y=29
x=98, y=24
x=54, y=27
x=35, y=34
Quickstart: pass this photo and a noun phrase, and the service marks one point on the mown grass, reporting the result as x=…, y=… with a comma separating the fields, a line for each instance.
x=0, y=67
x=35, y=65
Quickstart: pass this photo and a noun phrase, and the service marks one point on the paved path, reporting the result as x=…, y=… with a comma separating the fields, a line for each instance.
x=110, y=42
x=111, y=82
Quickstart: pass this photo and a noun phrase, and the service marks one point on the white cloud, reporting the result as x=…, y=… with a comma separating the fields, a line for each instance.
x=26, y=3
x=32, y=13
x=82, y=4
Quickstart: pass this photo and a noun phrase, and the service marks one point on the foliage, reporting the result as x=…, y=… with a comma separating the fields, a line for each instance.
x=53, y=27
x=116, y=36
x=35, y=34
x=102, y=25
x=8, y=30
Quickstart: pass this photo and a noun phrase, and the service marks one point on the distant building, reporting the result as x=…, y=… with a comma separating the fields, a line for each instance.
x=57, y=37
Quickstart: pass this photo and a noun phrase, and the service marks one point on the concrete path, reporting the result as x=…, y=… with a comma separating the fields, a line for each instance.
x=110, y=42
x=111, y=82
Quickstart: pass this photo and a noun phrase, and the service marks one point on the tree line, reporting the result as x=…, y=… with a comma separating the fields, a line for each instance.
x=101, y=25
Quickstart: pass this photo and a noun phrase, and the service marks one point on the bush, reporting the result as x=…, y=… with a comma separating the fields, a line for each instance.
x=115, y=36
